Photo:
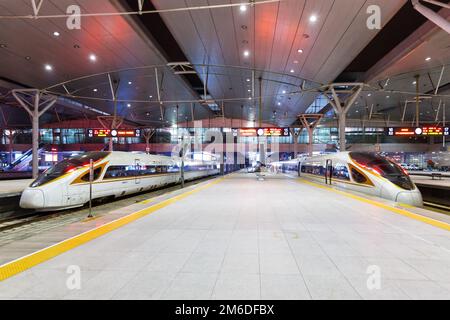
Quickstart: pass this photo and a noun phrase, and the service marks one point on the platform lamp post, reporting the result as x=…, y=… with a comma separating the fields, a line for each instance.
x=40, y=103
x=182, y=154
x=91, y=179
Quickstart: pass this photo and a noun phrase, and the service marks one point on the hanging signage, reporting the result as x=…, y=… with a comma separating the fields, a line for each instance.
x=263, y=132
x=418, y=131
x=119, y=133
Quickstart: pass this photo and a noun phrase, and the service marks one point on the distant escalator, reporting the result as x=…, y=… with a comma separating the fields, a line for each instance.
x=23, y=163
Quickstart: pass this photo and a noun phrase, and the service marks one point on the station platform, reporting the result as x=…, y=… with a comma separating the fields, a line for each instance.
x=236, y=237
x=10, y=188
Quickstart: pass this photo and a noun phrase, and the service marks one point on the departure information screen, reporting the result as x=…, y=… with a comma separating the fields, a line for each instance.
x=418, y=131
x=264, y=132
x=120, y=133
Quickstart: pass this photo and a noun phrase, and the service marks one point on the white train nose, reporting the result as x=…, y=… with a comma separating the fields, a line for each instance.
x=413, y=198
x=32, y=199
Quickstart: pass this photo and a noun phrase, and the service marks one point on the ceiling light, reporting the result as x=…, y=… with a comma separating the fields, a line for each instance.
x=295, y=61
x=279, y=103
x=129, y=82
x=414, y=82
x=56, y=34
x=48, y=67
x=300, y=51
x=284, y=91
x=387, y=97
x=128, y=105
x=243, y=8
x=93, y=57
x=428, y=59
x=292, y=70
x=369, y=94
x=246, y=53
x=249, y=90
x=150, y=97
x=95, y=90
x=313, y=18
x=248, y=79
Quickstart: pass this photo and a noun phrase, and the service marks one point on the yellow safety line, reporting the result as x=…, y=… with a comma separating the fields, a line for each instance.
x=431, y=221
x=21, y=264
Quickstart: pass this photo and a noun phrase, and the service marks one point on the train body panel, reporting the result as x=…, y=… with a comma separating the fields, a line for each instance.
x=367, y=173
x=116, y=174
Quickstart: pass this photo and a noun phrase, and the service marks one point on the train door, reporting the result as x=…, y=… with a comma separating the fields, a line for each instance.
x=328, y=171
x=137, y=168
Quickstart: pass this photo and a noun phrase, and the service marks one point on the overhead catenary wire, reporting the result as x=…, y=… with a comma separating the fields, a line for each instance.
x=128, y=13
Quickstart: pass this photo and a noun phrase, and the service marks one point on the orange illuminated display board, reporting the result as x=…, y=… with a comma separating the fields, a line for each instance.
x=418, y=131
x=264, y=132
x=119, y=133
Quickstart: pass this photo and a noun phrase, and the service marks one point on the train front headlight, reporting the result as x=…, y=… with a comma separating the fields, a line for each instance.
x=32, y=199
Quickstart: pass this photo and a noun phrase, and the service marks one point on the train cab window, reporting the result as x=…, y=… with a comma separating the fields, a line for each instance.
x=384, y=167
x=358, y=177
x=97, y=173
x=67, y=166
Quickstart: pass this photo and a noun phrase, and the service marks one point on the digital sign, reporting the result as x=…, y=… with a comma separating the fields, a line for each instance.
x=264, y=132
x=119, y=133
x=418, y=131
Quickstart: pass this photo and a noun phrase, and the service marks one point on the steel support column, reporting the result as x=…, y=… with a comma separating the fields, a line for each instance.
x=36, y=108
x=310, y=122
x=342, y=105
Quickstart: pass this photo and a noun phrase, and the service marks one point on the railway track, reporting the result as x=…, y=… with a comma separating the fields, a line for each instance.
x=57, y=218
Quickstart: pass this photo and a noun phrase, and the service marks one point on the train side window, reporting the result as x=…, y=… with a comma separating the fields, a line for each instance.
x=357, y=176
x=97, y=173
x=341, y=172
x=115, y=172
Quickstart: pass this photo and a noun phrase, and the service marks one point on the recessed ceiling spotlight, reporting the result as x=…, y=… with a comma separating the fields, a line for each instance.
x=279, y=103
x=243, y=8
x=95, y=90
x=128, y=105
x=313, y=18
x=284, y=91
x=150, y=97
x=129, y=82
x=48, y=67
x=246, y=53
x=292, y=71
x=56, y=34
x=27, y=58
x=369, y=94
x=248, y=79
x=388, y=97
x=249, y=90
x=92, y=57
x=300, y=51
x=414, y=83
x=428, y=59
x=249, y=98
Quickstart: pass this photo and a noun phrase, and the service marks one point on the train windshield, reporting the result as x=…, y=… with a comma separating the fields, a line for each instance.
x=66, y=166
x=385, y=167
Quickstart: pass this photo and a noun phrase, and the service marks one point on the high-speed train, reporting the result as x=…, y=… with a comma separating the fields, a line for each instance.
x=115, y=174
x=364, y=172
